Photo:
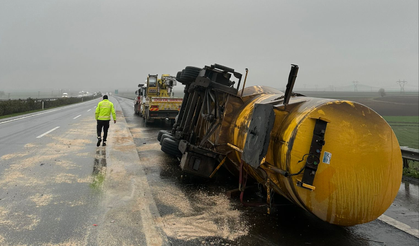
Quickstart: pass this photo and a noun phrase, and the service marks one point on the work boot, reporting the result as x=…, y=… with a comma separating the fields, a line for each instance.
x=104, y=143
x=98, y=141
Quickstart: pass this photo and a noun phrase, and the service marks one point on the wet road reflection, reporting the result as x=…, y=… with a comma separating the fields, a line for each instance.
x=99, y=168
x=409, y=192
x=405, y=207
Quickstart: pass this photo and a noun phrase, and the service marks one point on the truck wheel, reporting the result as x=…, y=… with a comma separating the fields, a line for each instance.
x=145, y=116
x=189, y=74
x=178, y=75
x=170, y=147
x=161, y=132
x=166, y=135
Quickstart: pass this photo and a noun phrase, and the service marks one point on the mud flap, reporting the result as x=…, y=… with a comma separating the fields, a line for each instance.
x=258, y=134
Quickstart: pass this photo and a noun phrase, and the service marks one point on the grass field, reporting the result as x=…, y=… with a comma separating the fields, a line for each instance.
x=406, y=129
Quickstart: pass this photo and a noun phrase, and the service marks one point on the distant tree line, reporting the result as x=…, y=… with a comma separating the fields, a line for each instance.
x=20, y=106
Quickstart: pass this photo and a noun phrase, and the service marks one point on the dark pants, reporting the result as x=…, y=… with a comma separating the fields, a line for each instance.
x=105, y=125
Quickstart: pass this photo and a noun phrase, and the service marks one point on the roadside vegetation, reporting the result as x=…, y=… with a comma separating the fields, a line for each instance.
x=412, y=170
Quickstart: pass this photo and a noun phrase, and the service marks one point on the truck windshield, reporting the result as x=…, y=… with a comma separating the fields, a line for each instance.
x=152, y=81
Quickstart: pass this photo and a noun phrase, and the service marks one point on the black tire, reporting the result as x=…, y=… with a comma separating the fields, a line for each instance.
x=170, y=147
x=135, y=109
x=166, y=135
x=189, y=74
x=161, y=132
x=178, y=75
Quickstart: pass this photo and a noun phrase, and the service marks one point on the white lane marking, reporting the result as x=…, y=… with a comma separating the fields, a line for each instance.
x=89, y=110
x=77, y=117
x=53, y=129
x=399, y=225
x=28, y=116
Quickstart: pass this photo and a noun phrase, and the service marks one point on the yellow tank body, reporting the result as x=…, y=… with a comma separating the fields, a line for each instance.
x=337, y=159
x=358, y=177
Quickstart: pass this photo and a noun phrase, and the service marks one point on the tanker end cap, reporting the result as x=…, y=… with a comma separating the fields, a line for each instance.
x=360, y=166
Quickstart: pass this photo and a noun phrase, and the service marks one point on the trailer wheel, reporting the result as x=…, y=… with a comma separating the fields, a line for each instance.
x=161, y=132
x=170, y=147
x=189, y=74
x=166, y=135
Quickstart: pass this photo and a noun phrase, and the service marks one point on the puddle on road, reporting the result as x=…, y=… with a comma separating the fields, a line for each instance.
x=99, y=168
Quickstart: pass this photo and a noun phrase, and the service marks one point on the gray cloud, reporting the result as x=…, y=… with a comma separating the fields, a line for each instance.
x=104, y=45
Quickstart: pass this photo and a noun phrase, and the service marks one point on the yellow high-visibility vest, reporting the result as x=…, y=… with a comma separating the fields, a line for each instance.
x=104, y=109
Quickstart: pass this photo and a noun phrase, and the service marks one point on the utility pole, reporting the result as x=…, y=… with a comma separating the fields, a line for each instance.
x=401, y=84
x=355, y=85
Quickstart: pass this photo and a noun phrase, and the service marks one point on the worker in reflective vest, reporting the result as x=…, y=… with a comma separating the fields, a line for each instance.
x=103, y=116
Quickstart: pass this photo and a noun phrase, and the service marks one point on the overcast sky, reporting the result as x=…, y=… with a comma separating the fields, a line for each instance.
x=109, y=44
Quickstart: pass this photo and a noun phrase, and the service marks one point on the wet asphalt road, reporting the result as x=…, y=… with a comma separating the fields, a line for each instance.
x=60, y=189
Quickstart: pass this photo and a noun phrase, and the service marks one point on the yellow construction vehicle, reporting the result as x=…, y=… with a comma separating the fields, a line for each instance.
x=337, y=159
x=155, y=99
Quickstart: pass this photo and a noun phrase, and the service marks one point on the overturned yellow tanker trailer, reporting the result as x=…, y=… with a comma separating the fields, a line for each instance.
x=337, y=159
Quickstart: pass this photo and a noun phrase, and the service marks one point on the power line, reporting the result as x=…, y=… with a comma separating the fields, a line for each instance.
x=355, y=85
x=401, y=84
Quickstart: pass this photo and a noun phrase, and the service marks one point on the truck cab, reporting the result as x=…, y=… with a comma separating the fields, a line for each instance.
x=155, y=100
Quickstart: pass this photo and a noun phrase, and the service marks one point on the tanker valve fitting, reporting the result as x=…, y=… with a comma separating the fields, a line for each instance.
x=306, y=186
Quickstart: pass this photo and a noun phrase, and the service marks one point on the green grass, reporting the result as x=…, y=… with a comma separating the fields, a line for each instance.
x=98, y=180
x=413, y=170
x=402, y=119
x=406, y=129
